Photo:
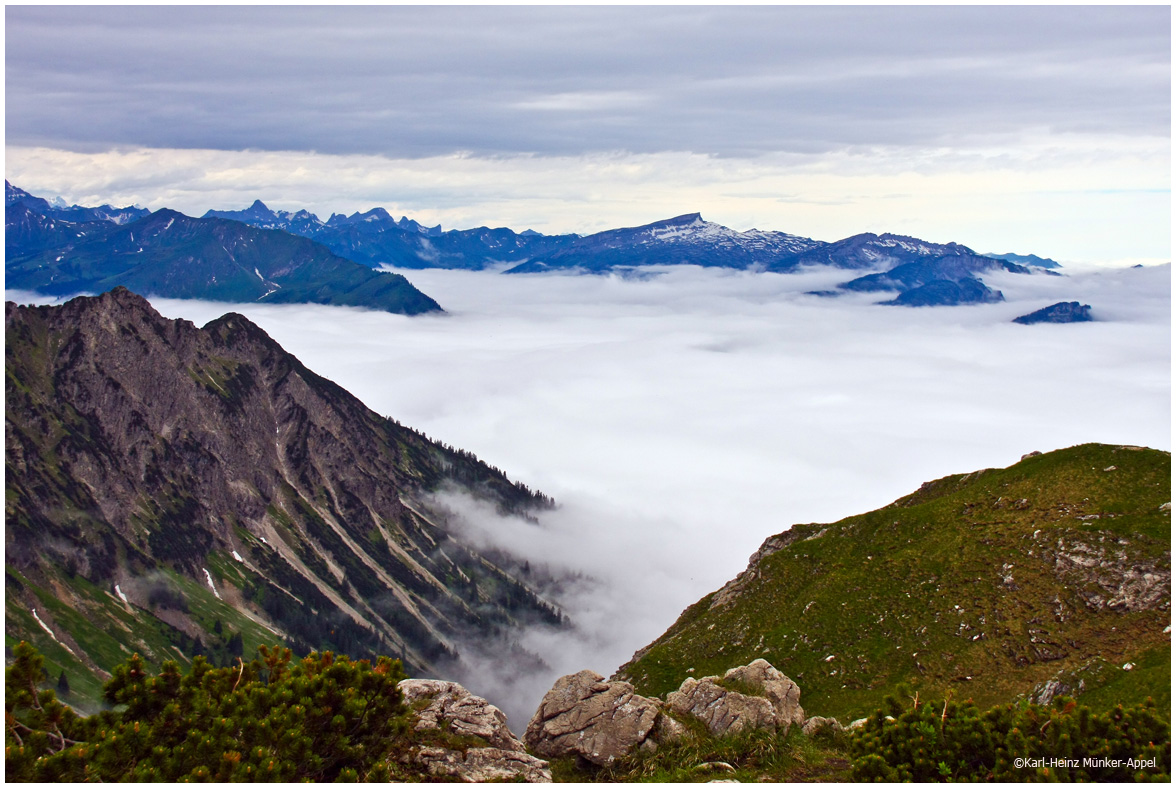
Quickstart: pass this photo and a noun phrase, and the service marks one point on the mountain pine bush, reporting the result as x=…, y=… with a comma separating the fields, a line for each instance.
x=946, y=741
x=322, y=718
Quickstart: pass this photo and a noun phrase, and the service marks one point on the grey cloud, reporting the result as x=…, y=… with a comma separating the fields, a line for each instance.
x=414, y=81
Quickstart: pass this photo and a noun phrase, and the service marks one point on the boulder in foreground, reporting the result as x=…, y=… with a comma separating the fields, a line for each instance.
x=595, y=719
x=448, y=707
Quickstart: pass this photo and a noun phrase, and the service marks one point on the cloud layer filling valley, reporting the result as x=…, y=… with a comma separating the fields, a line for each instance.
x=680, y=420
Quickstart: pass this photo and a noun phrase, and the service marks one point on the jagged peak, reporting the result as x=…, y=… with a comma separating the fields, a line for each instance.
x=122, y=296
x=375, y=214
x=125, y=304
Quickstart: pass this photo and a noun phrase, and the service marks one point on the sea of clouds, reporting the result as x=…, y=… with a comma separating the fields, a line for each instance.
x=680, y=419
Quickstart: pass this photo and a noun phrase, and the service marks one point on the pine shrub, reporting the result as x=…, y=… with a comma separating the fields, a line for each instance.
x=322, y=718
x=948, y=741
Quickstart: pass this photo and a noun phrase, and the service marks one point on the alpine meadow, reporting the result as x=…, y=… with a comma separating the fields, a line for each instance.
x=588, y=394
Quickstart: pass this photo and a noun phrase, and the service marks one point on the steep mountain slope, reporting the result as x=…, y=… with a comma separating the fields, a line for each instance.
x=163, y=481
x=28, y=232
x=173, y=255
x=1050, y=576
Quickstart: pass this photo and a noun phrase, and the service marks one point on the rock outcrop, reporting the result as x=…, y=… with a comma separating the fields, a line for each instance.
x=597, y=720
x=773, y=702
x=781, y=691
x=448, y=707
x=723, y=711
x=600, y=721
x=1105, y=576
x=452, y=707
x=734, y=588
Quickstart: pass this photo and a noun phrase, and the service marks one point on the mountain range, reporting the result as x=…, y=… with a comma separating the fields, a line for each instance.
x=943, y=274
x=258, y=254
x=170, y=488
x=169, y=254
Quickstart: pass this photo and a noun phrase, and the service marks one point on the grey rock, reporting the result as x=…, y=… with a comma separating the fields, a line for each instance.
x=1046, y=691
x=667, y=729
x=448, y=706
x=723, y=711
x=816, y=725
x=452, y=707
x=773, y=704
x=482, y=764
x=584, y=715
x=1112, y=579
x=781, y=691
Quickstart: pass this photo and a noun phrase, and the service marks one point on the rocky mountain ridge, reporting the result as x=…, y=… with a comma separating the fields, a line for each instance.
x=374, y=238
x=164, y=481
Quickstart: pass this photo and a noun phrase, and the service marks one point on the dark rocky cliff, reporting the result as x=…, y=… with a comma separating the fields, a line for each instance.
x=142, y=450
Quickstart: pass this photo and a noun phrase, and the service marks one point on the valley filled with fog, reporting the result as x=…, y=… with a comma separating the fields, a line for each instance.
x=681, y=417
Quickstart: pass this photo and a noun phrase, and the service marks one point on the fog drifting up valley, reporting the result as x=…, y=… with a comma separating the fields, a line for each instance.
x=681, y=419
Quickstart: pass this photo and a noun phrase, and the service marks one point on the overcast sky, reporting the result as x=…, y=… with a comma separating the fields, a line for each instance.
x=1041, y=129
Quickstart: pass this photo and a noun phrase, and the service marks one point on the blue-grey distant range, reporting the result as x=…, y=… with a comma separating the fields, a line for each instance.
x=168, y=254
x=258, y=254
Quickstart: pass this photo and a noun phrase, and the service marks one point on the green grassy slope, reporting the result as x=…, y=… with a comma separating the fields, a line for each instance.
x=984, y=585
x=104, y=631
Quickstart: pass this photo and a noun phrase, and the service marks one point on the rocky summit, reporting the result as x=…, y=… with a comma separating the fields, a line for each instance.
x=174, y=490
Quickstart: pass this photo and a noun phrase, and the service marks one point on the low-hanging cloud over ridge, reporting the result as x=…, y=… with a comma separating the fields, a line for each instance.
x=681, y=419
